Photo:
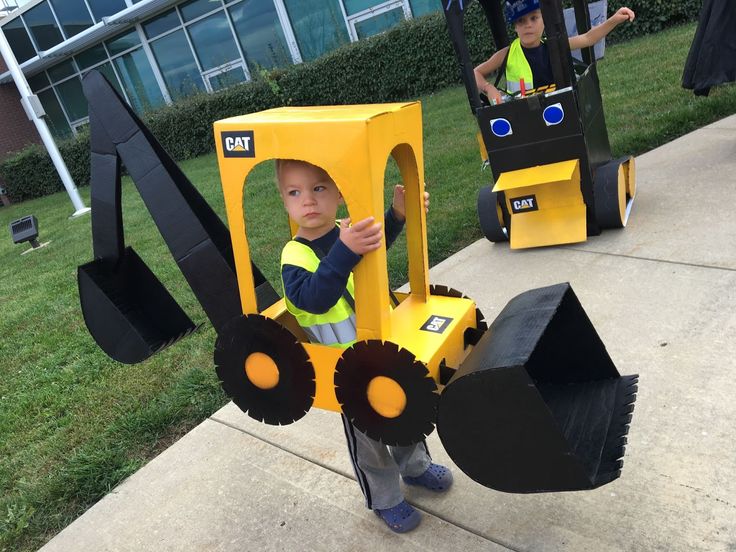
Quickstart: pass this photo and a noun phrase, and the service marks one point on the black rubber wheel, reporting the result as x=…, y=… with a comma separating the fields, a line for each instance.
x=609, y=192
x=292, y=396
x=490, y=217
x=369, y=359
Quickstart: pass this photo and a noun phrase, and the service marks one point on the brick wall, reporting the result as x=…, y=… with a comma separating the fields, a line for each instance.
x=16, y=131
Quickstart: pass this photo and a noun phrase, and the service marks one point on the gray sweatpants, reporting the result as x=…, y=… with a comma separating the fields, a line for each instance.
x=378, y=467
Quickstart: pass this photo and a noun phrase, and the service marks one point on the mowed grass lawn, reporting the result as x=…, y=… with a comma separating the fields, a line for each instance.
x=73, y=423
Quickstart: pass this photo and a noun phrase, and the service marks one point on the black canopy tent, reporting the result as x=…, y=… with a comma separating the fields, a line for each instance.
x=712, y=57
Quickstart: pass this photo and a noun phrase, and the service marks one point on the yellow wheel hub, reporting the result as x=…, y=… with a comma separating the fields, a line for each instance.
x=262, y=371
x=386, y=397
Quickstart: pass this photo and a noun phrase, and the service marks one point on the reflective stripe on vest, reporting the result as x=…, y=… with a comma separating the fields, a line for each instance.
x=517, y=68
x=336, y=327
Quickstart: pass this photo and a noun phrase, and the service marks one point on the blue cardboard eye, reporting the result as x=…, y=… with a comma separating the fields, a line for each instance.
x=501, y=127
x=553, y=114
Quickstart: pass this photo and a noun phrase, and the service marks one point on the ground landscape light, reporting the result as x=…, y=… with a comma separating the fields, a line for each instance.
x=26, y=230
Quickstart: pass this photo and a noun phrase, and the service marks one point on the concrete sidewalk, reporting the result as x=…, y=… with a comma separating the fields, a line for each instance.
x=662, y=295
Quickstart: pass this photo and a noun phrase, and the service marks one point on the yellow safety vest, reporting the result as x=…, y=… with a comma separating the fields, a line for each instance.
x=336, y=327
x=517, y=68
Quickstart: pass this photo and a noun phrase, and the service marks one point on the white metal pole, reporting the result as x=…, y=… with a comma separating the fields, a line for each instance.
x=35, y=112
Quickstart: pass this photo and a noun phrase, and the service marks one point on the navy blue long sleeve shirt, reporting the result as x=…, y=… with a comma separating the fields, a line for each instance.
x=317, y=292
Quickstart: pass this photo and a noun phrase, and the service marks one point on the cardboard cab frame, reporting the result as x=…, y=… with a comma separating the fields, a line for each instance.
x=533, y=403
x=555, y=179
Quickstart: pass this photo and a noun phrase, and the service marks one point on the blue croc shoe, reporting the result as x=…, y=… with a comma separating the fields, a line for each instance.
x=402, y=518
x=437, y=478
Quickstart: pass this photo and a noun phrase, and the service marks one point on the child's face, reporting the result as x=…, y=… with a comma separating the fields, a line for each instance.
x=530, y=27
x=310, y=197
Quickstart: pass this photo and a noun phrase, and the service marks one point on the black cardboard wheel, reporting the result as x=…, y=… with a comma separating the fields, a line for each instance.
x=367, y=360
x=609, y=192
x=285, y=400
x=490, y=216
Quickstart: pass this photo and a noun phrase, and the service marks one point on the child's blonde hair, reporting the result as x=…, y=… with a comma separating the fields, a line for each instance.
x=281, y=164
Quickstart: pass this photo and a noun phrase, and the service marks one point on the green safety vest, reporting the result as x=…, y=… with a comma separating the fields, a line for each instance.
x=336, y=327
x=517, y=68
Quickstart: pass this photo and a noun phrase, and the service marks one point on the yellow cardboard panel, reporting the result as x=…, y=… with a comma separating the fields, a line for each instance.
x=549, y=227
x=324, y=359
x=352, y=143
x=482, y=147
x=548, y=195
x=427, y=346
x=541, y=174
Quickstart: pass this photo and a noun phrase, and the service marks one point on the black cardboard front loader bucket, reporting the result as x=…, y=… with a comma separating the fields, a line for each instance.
x=538, y=405
x=129, y=313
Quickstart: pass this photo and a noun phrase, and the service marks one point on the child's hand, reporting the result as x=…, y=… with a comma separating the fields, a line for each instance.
x=492, y=93
x=623, y=14
x=399, y=204
x=362, y=237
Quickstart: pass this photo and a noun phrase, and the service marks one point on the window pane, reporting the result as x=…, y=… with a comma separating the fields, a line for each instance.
x=107, y=70
x=355, y=6
x=62, y=70
x=194, y=8
x=227, y=78
x=19, y=40
x=36, y=82
x=139, y=81
x=379, y=23
x=318, y=25
x=73, y=98
x=164, y=22
x=260, y=34
x=103, y=8
x=123, y=42
x=41, y=23
x=213, y=41
x=177, y=65
x=89, y=57
x=54, y=115
x=423, y=7
x=72, y=15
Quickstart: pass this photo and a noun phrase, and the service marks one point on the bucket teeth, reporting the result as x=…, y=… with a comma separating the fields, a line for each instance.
x=613, y=451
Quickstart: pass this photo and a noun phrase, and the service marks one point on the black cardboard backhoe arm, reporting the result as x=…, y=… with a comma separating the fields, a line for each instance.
x=120, y=296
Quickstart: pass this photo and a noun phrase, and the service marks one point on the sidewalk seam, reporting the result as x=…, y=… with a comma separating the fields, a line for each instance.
x=649, y=259
x=328, y=468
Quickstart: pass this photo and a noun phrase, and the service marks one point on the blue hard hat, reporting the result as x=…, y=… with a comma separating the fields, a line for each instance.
x=518, y=8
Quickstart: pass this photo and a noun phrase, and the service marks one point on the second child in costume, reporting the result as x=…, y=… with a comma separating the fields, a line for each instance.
x=527, y=58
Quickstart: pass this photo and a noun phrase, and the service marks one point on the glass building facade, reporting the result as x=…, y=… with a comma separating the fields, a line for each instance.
x=184, y=47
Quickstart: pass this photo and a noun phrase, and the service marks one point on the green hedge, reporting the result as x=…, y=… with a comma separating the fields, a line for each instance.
x=653, y=16
x=414, y=58
x=185, y=128
x=30, y=173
